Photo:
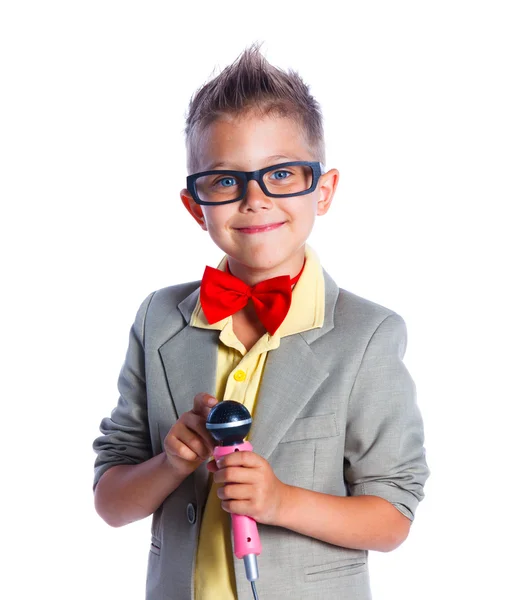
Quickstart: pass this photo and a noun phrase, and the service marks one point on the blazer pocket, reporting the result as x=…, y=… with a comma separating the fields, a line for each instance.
x=308, y=428
x=339, y=568
x=155, y=546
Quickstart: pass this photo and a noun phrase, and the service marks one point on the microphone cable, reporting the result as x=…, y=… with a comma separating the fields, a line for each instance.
x=254, y=590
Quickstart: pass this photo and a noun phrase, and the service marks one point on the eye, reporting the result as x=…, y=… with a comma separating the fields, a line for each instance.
x=279, y=175
x=226, y=182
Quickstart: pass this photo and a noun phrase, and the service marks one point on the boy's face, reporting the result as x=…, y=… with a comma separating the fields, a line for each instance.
x=262, y=236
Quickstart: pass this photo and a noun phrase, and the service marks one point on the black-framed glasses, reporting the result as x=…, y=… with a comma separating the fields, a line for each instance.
x=288, y=179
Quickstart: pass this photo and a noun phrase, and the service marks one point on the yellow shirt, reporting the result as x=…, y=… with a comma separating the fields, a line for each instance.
x=238, y=377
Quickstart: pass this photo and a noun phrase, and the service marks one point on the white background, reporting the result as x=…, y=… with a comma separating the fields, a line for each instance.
x=93, y=98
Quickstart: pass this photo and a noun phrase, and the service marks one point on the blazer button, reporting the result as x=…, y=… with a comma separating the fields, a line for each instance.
x=191, y=513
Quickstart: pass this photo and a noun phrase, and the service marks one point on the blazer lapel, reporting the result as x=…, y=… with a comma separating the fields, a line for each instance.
x=292, y=375
x=189, y=360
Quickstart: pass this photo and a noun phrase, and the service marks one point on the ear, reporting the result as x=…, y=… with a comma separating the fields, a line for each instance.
x=194, y=209
x=327, y=187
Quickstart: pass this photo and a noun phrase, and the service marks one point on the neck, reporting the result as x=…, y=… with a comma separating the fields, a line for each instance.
x=253, y=275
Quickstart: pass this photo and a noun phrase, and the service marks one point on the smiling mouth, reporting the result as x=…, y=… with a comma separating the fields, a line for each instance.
x=259, y=228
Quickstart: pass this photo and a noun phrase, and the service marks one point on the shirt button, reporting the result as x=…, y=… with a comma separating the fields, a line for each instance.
x=191, y=513
x=239, y=375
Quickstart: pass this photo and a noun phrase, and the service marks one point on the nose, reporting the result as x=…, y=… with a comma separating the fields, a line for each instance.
x=255, y=199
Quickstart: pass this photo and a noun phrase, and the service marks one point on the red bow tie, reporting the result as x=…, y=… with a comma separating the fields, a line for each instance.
x=222, y=295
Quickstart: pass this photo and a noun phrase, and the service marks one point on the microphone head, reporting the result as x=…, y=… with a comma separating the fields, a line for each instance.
x=229, y=422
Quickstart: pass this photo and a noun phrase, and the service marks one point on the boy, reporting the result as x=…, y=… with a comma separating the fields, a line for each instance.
x=338, y=464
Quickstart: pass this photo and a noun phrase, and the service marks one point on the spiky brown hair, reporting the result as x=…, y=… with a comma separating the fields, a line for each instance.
x=251, y=83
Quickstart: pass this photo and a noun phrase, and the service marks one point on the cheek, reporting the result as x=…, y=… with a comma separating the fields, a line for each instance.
x=212, y=217
x=303, y=215
x=216, y=220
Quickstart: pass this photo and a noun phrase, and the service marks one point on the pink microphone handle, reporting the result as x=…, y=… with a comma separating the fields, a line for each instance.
x=246, y=535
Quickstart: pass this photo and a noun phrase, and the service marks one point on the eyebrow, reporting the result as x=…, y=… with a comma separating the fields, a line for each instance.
x=269, y=159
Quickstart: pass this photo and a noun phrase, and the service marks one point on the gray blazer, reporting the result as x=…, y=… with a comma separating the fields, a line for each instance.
x=336, y=413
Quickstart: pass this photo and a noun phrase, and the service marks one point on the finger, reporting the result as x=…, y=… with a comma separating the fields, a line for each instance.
x=235, y=491
x=237, y=507
x=234, y=475
x=202, y=404
x=176, y=447
x=240, y=459
x=197, y=424
x=201, y=447
x=184, y=437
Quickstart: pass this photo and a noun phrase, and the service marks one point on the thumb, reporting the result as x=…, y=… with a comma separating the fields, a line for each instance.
x=212, y=467
x=202, y=404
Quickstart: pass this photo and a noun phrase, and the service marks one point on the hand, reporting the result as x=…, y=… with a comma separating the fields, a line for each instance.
x=250, y=486
x=189, y=443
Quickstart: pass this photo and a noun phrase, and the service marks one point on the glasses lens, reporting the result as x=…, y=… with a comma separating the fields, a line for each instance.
x=219, y=187
x=289, y=180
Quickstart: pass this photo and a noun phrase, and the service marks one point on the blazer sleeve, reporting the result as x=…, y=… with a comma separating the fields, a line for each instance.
x=384, y=452
x=126, y=437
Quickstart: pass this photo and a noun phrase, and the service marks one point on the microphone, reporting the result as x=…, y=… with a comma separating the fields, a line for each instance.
x=229, y=423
